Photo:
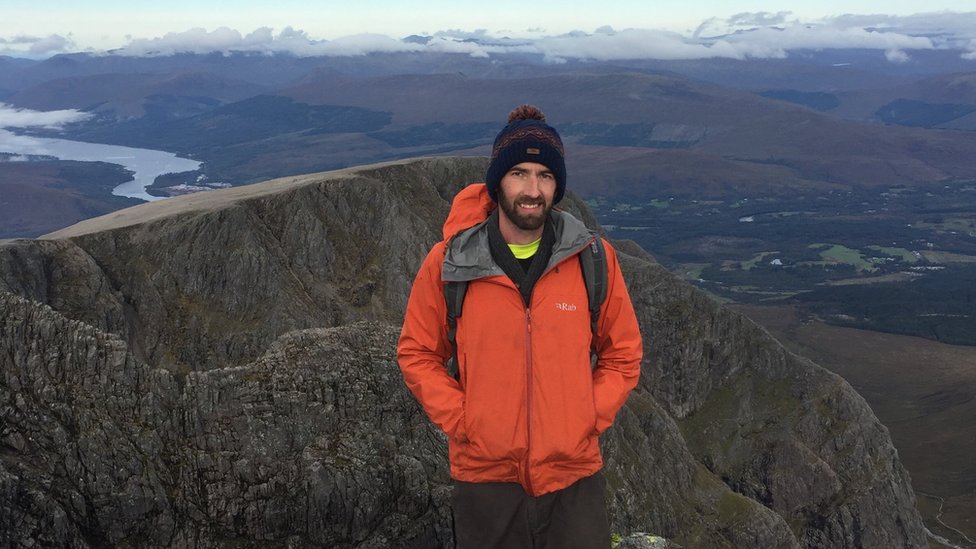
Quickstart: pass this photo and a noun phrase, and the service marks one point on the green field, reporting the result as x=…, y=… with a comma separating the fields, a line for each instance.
x=838, y=253
x=905, y=255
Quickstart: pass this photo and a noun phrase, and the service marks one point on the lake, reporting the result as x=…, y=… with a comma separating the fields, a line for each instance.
x=145, y=164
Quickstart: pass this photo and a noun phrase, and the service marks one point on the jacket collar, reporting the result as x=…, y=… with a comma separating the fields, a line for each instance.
x=468, y=253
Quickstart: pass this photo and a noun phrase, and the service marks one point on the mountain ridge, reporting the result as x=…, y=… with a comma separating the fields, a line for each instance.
x=201, y=202
x=241, y=355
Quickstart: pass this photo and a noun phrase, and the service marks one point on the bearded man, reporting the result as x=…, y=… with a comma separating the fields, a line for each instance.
x=525, y=411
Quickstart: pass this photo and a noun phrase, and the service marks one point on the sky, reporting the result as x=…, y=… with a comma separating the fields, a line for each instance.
x=558, y=30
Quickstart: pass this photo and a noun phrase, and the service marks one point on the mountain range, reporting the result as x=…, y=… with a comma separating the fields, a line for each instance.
x=251, y=117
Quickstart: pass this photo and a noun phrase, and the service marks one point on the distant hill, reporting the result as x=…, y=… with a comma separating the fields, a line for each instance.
x=137, y=95
x=40, y=197
x=739, y=133
x=944, y=101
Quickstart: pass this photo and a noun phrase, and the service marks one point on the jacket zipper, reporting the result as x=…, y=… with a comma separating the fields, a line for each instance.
x=528, y=398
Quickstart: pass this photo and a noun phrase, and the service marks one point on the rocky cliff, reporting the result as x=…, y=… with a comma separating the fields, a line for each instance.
x=219, y=370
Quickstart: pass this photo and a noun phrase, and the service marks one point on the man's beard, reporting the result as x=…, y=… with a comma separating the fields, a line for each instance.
x=524, y=222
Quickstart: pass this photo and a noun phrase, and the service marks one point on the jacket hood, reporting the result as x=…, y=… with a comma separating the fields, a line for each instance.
x=471, y=206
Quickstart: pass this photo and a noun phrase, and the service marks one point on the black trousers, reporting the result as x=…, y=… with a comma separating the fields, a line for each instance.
x=501, y=515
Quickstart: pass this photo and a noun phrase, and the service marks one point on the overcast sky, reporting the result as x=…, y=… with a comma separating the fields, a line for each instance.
x=668, y=29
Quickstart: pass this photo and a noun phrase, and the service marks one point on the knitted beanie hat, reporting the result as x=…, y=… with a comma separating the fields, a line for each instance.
x=526, y=138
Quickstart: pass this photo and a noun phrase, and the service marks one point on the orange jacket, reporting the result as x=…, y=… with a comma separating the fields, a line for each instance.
x=528, y=407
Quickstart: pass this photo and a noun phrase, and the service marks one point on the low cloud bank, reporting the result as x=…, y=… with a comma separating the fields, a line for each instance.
x=25, y=146
x=35, y=46
x=743, y=35
x=13, y=117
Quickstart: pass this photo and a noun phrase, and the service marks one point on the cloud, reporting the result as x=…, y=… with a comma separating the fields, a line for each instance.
x=897, y=56
x=757, y=42
x=362, y=44
x=775, y=35
x=944, y=29
x=824, y=36
x=442, y=44
x=24, y=145
x=263, y=40
x=36, y=46
x=759, y=19
x=629, y=44
x=745, y=21
x=14, y=158
x=195, y=40
x=13, y=117
x=970, y=50
x=742, y=35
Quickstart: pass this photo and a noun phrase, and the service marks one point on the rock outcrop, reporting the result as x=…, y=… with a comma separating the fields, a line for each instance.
x=219, y=370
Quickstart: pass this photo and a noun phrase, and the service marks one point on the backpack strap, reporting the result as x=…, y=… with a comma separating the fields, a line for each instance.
x=454, y=299
x=593, y=262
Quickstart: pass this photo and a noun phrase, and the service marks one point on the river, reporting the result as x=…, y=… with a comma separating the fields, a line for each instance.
x=145, y=164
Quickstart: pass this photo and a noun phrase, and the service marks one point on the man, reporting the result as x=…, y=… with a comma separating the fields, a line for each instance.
x=524, y=415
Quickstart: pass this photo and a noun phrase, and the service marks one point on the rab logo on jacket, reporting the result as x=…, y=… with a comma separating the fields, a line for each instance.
x=566, y=307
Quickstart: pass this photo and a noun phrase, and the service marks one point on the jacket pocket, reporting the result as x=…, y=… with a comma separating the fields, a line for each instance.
x=567, y=422
x=492, y=434
x=494, y=416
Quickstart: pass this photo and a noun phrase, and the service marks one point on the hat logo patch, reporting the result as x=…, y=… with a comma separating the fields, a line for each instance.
x=531, y=150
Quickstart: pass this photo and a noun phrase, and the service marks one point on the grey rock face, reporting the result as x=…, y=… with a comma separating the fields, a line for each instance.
x=776, y=428
x=226, y=376
x=314, y=444
x=641, y=540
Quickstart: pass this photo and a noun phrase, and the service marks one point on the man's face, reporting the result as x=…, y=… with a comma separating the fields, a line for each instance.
x=525, y=195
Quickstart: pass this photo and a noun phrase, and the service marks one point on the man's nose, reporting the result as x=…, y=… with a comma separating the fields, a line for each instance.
x=534, y=184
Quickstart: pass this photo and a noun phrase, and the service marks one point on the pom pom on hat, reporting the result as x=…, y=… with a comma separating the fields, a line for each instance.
x=526, y=112
x=526, y=138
